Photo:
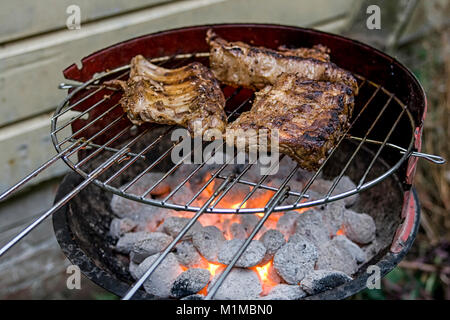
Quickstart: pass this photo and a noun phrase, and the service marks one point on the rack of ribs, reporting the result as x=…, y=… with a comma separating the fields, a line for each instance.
x=310, y=116
x=189, y=96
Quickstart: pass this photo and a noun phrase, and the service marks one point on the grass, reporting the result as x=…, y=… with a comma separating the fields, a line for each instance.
x=425, y=273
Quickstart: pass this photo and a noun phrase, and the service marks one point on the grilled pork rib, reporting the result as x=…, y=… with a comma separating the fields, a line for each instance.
x=239, y=64
x=309, y=115
x=189, y=96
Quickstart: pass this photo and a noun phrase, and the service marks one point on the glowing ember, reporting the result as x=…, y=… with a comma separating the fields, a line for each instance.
x=238, y=205
x=340, y=232
x=263, y=271
x=302, y=210
x=213, y=268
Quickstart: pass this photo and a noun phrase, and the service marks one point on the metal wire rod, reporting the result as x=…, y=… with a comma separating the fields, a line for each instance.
x=61, y=202
x=333, y=150
x=180, y=235
x=269, y=208
x=65, y=152
x=430, y=157
x=265, y=187
x=37, y=171
x=180, y=185
x=374, y=159
x=88, y=179
x=137, y=156
x=341, y=174
x=179, y=163
x=258, y=185
x=92, y=145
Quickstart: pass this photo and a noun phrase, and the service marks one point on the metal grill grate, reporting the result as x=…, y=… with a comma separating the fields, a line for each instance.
x=106, y=131
x=79, y=140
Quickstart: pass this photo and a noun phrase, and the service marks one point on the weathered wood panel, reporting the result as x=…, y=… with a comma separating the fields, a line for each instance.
x=30, y=69
x=24, y=18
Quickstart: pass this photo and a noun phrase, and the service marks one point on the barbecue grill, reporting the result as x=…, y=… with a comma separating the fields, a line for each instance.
x=109, y=154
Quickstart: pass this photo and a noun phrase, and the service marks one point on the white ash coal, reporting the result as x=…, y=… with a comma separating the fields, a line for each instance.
x=251, y=257
x=321, y=280
x=119, y=227
x=240, y=284
x=294, y=260
x=285, y=292
x=296, y=254
x=188, y=255
x=208, y=242
x=154, y=243
x=160, y=283
x=190, y=282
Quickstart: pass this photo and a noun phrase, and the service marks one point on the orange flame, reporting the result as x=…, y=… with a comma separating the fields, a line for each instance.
x=263, y=271
x=213, y=268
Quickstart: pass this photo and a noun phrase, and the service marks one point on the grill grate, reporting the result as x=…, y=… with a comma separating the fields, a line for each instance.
x=235, y=106
x=107, y=131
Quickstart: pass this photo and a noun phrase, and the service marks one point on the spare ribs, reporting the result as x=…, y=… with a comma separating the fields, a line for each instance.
x=310, y=116
x=239, y=64
x=189, y=96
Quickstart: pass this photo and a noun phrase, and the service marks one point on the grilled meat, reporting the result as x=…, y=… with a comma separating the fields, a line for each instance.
x=189, y=96
x=309, y=115
x=239, y=64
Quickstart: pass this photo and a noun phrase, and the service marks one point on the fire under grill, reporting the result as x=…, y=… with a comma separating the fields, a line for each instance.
x=128, y=168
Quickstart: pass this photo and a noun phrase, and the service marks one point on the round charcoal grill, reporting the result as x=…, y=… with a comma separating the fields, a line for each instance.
x=92, y=136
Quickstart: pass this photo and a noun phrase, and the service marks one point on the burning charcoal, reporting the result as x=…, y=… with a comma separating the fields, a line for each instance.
x=173, y=226
x=126, y=242
x=344, y=243
x=208, y=242
x=240, y=284
x=119, y=227
x=161, y=281
x=154, y=243
x=285, y=292
x=188, y=256
x=310, y=225
x=251, y=257
x=333, y=216
x=359, y=227
x=237, y=231
x=286, y=224
x=209, y=219
x=272, y=240
x=151, y=217
x=183, y=195
x=333, y=257
x=189, y=282
x=162, y=189
x=249, y=222
x=344, y=185
x=294, y=260
x=322, y=280
x=124, y=207
x=321, y=187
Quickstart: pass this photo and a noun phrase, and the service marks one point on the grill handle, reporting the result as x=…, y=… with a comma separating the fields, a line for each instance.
x=430, y=157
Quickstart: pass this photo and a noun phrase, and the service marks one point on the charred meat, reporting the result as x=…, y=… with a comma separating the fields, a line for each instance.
x=239, y=64
x=189, y=96
x=309, y=115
